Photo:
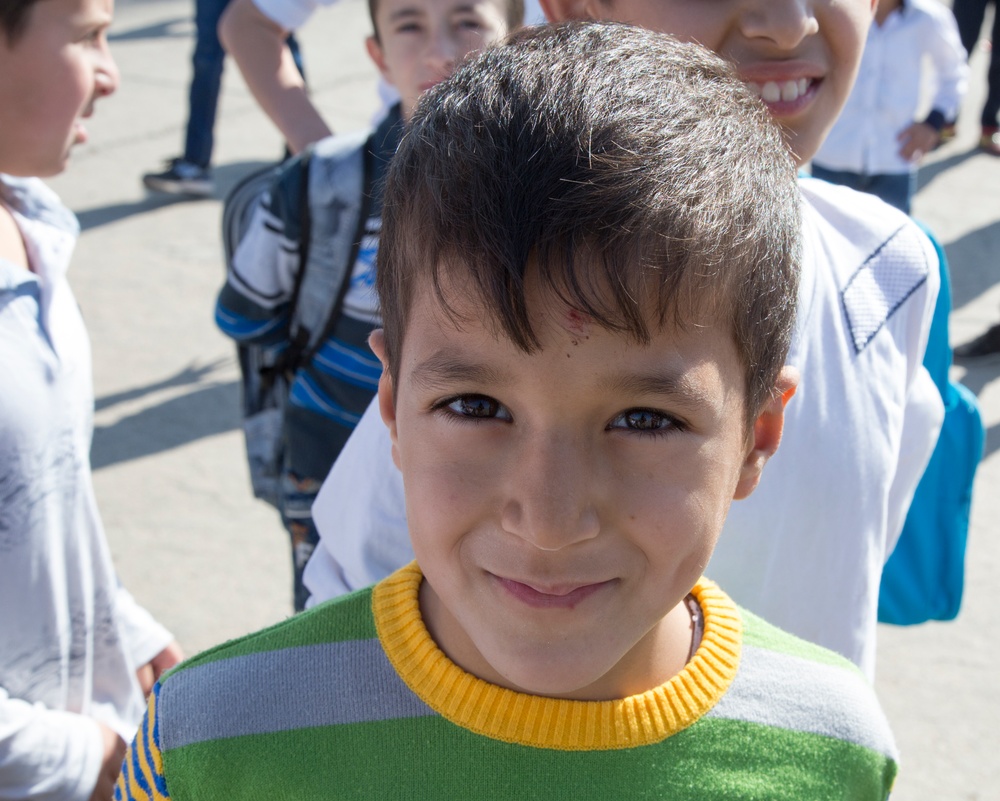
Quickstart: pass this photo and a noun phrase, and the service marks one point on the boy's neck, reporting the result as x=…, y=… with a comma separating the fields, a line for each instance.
x=11, y=243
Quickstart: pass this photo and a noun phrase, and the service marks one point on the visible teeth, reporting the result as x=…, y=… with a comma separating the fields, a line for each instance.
x=770, y=93
x=787, y=91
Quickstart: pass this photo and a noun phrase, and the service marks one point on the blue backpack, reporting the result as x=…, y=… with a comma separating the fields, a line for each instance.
x=924, y=577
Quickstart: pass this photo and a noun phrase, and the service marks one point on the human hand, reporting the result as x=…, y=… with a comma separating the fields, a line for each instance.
x=111, y=764
x=917, y=140
x=150, y=673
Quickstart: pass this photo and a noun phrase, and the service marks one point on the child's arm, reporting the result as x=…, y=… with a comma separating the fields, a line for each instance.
x=257, y=44
x=943, y=47
x=254, y=304
x=52, y=753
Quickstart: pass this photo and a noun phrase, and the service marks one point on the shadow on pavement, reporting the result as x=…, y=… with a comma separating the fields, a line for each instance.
x=192, y=374
x=179, y=28
x=973, y=264
x=929, y=172
x=226, y=177
x=175, y=422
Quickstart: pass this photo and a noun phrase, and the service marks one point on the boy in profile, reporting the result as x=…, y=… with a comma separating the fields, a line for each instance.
x=77, y=653
x=313, y=239
x=588, y=282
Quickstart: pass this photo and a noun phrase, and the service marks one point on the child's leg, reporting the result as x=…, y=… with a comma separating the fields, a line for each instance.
x=206, y=82
x=298, y=494
x=992, y=106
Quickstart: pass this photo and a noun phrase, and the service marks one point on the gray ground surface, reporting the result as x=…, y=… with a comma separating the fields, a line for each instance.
x=212, y=563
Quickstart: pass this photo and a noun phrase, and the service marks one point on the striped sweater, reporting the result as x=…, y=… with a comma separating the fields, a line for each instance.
x=353, y=700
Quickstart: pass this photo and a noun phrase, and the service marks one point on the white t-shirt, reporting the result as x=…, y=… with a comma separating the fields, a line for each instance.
x=70, y=636
x=806, y=550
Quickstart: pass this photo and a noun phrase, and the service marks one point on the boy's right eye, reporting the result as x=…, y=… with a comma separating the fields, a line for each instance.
x=476, y=406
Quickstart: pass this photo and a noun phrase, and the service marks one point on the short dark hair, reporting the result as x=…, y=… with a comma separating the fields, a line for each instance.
x=637, y=174
x=14, y=18
x=514, y=15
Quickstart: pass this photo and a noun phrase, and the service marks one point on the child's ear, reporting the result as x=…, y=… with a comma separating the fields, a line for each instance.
x=566, y=10
x=386, y=396
x=375, y=54
x=766, y=434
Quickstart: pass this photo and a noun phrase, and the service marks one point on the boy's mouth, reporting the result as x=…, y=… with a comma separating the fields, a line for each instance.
x=780, y=91
x=561, y=597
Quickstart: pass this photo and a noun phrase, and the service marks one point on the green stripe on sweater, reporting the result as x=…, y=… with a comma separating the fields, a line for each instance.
x=431, y=758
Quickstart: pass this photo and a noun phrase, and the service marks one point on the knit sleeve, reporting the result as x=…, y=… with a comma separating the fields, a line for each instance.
x=143, y=777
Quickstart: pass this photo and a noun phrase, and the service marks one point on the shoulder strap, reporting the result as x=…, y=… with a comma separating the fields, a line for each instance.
x=364, y=210
x=338, y=203
x=298, y=333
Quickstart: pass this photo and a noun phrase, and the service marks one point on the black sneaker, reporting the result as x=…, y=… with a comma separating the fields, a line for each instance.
x=181, y=178
x=986, y=344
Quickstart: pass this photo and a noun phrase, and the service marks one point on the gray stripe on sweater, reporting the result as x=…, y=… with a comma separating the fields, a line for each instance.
x=839, y=703
x=309, y=685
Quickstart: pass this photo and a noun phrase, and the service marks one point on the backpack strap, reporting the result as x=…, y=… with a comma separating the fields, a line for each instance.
x=332, y=230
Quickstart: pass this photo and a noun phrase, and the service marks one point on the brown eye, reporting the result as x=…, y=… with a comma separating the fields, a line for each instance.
x=478, y=406
x=644, y=421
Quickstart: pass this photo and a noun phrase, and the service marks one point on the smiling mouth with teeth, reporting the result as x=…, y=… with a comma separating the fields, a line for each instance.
x=780, y=91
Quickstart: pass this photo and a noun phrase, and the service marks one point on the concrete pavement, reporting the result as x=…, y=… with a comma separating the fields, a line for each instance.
x=211, y=563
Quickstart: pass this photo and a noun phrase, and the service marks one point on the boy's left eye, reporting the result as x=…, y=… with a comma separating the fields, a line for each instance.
x=644, y=420
x=477, y=406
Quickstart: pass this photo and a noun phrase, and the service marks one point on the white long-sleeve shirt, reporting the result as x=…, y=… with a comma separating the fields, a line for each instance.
x=71, y=636
x=920, y=35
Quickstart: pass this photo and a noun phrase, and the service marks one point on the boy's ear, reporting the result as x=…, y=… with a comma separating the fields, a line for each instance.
x=766, y=434
x=566, y=10
x=375, y=54
x=386, y=396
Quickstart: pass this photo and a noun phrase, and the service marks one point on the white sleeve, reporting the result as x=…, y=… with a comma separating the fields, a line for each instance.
x=360, y=515
x=47, y=754
x=290, y=14
x=924, y=410
x=951, y=69
x=145, y=637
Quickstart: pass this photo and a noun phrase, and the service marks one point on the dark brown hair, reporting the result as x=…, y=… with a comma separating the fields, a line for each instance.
x=636, y=174
x=14, y=18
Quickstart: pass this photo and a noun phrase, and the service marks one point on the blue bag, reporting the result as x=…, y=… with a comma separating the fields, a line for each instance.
x=924, y=576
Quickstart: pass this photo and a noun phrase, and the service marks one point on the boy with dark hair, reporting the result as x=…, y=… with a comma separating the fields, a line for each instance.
x=77, y=653
x=867, y=414
x=588, y=281
x=333, y=374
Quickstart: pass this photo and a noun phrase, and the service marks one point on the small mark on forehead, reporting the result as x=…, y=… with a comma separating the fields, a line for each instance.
x=577, y=322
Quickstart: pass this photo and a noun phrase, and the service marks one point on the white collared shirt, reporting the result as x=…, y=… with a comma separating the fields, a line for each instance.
x=891, y=90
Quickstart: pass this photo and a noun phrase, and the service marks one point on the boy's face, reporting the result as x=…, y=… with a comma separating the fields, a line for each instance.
x=562, y=503
x=801, y=55
x=421, y=42
x=52, y=76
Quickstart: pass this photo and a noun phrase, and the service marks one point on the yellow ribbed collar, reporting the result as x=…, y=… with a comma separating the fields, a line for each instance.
x=542, y=722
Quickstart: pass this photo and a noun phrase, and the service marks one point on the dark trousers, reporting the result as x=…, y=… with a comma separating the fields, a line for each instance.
x=206, y=81
x=896, y=189
x=969, y=14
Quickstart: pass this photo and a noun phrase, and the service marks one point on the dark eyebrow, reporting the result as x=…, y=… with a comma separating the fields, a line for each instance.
x=402, y=13
x=445, y=368
x=665, y=384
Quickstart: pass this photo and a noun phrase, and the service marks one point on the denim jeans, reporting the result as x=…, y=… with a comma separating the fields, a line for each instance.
x=207, y=61
x=896, y=189
x=969, y=16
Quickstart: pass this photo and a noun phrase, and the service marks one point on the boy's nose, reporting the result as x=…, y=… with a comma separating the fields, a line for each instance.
x=784, y=22
x=106, y=76
x=442, y=53
x=550, y=502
